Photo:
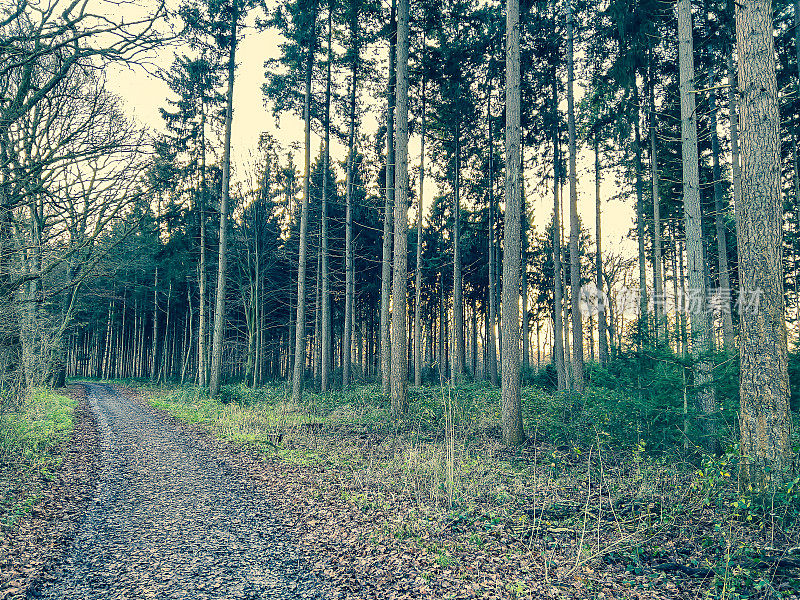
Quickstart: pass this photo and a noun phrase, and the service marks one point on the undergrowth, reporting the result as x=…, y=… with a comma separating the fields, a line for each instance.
x=596, y=486
x=30, y=438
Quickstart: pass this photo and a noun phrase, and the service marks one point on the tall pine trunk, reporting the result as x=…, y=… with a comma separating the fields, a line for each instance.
x=700, y=318
x=511, y=404
x=418, y=273
x=574, y=221
x=326, y=336
x=386, y=259
x=558, y=327
x=764, y=420
x=458, y=292
x=399, y=358
x=349, y=287
x=640, y=230
x=658, y=270
x=602, y=335
x=492, y=299
x=298, y=373
x=219, y=310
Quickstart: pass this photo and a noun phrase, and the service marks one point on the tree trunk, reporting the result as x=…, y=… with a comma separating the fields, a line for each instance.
x=399, y=358
x=219, y=310
x=558, y=329
x=492, y=322
x=458, y=302
x=724, y=291
x=418, y=273
x=511, y=403
x=348, y=240
x=386, y=266
x=202, y=328
x=602, y=343
x=764, y=421
x=154, y=356
x=640, y=232
x=326, y=335
x=701, y=329
x=658, y=271
x=574, y=221
x=298, y=374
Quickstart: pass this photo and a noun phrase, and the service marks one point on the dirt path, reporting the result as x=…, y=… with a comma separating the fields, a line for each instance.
x=173, y=519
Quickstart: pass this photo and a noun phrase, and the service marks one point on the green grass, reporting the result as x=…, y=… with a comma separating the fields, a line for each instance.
x=30, y=439
x=32, y=434
x=596, y=469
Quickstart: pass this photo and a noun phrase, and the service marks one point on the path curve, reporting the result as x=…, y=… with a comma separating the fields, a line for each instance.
x=172, y=518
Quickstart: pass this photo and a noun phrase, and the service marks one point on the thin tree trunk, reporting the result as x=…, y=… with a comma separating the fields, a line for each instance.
x=348, y=243
x=386, y=265
x=677, y=328
x=511, y=403
x=701, y=330
x=154, y=357
x=640, y=231
x=399, y=357
x=418, y=273
x=558, y=331
x=458, y=302
x=658, y=271
x=326, y=335
x=602, y=344
x=202, y=329
x=574, y=221
x=492, y=323
x=764, y=421
x=219, y=310
x=298, y=374
x=724, y=291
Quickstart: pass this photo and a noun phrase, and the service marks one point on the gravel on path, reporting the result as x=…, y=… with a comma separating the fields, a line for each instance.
x=171, y=518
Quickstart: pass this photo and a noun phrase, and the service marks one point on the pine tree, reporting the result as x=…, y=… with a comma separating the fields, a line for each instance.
x=511, y=401
x=764, y=420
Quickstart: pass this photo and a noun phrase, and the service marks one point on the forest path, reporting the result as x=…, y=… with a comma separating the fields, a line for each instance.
x=172, y=518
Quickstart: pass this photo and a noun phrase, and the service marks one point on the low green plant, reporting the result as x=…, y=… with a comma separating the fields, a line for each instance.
x=31, y=434
x=30, y=438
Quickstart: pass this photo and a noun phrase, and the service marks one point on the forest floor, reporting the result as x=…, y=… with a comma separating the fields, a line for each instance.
x=250, y=496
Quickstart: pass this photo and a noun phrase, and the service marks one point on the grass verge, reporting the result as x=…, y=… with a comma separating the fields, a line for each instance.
x=30, y=441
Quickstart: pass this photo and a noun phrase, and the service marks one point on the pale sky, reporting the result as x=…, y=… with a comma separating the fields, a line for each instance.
x=144, y=94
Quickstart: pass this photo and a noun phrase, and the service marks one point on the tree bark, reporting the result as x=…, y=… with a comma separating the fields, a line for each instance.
x=219, y=310
x=154, y=356
x=574, y=220
x=640, y=231
x=764, y=421
x=558, y=329
x=492, y=299
x=202, y=328
x=418, y=273
x=348, y=243
x=602, y=335
x=399, y=358
x=386, y=265
x=724, y=291
x=700, y=318
x=298, y=374
x=511, y=403
x=458, y=292
x=325, y=321
x=658, y=271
